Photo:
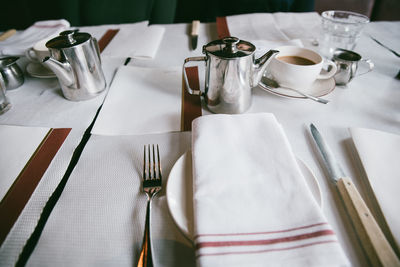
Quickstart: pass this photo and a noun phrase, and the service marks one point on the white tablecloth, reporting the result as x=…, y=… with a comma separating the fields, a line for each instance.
x=369, y=101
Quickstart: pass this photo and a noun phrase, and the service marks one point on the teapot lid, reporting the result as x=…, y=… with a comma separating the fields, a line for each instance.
x=68, y=39
x=229, y=47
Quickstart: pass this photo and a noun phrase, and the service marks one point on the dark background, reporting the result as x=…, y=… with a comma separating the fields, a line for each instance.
x=20, y=14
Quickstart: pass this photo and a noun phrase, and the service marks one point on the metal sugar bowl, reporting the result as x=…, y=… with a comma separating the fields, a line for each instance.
x=75, y=59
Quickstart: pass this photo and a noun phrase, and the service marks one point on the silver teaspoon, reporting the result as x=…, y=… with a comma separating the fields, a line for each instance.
x=271, y=84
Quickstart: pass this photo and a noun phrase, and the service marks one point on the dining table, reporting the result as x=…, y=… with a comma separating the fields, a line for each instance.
x=87, y=206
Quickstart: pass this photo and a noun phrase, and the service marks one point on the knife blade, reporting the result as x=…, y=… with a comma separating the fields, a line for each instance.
x=372, y=239
x=194, y=33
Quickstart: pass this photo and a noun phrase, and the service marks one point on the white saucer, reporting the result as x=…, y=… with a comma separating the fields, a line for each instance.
x=180, y=191
x=318, y=88
x=37, y=70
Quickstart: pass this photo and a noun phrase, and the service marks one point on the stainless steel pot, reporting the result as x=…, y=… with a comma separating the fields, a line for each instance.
x=75, y=59
x=11, y=72
x=231, y=72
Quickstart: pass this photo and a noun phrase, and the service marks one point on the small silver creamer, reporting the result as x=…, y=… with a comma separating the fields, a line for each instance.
x=75, y=59
x=231, y=72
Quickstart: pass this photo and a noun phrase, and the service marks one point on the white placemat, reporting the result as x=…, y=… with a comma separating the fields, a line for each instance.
x=99, y=218
x=136, y=40
x=141, y=101
x=274, y=26
x=380, y=156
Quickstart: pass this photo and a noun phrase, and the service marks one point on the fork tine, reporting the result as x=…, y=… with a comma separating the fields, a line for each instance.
x=154, y=164
x=144, y=163
x=149, y=162
x=159, y=162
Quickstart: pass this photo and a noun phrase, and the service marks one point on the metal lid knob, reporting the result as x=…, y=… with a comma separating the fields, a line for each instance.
x=70, y=35
x=230, y=43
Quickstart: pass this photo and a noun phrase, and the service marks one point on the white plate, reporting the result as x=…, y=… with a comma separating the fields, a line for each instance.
x=180, y=191
x=37, y=70
x=318, y=88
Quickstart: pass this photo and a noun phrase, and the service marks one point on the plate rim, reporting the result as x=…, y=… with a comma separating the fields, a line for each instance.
x=50, y=75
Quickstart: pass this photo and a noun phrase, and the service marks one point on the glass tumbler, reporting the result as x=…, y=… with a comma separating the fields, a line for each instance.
x=340, y=29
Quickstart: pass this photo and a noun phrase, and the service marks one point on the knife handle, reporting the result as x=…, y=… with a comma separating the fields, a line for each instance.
x=371, y=236
x=7, y=34
x=195, y=27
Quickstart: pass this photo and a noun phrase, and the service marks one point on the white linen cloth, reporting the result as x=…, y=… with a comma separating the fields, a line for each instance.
x=379, y=153
x=274, y=26
x=251, y=205
x=18, y=144
x=141, y=101
x=136, y=40
x=18, y=43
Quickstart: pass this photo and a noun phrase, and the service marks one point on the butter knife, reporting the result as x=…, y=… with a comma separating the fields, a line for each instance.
x=194, y=33
x=375, y=244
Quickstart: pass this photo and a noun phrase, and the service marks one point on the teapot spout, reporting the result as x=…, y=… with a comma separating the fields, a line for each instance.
x=260, y=65
x=63, y=71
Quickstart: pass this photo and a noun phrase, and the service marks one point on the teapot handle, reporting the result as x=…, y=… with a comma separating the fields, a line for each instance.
x=190, y=90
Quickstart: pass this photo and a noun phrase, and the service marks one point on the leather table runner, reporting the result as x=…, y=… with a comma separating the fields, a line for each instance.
x=191, y=104
x=106, y=38
x=222, y=27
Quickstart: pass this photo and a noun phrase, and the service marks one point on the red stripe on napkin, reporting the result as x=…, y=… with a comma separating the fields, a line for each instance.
x=106, y=38
x=191, y=104
x=222, y=27
x=264, y=241
x=267, y=232
x=266, y=250
x=18, y=195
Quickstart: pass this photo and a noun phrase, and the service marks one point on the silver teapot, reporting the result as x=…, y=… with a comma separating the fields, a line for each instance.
x=75, y=59
x=231, y=72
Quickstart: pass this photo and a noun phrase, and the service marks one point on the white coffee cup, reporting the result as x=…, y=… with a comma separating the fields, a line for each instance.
x=38, y=51
x=298, y=67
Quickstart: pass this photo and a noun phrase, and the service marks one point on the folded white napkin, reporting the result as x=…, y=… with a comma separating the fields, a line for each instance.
x=18, y=145
x=137, y=40
x=251, y=205
x=380, y=153
x=18, y=43
x=274, y=26
x=141, y=101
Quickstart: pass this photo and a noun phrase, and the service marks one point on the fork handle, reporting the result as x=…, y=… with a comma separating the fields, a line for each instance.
x=145, y=258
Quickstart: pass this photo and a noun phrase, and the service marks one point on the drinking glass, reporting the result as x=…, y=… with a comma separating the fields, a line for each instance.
x=340, y=29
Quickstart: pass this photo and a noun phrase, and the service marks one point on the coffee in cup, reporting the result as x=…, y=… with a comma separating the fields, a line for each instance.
x=298, y=67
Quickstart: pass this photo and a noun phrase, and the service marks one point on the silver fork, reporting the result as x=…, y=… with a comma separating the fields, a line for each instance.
x=151, y=186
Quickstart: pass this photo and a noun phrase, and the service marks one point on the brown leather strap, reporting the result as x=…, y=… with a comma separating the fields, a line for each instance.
x=222, y=27
x=106, y=38
x=191, y=104
x=18, y=195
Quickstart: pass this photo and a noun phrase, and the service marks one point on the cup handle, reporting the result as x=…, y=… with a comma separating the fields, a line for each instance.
x=30, y=54
x=370, y=66
x=331, y=71
x=189, y=89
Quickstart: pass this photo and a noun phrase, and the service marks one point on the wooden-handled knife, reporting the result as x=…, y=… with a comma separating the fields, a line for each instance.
x=374, y=242
x=194, y=34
